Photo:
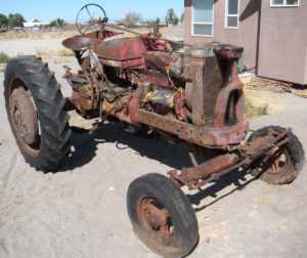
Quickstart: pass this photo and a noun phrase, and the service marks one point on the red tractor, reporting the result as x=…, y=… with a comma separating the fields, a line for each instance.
x=192, y=95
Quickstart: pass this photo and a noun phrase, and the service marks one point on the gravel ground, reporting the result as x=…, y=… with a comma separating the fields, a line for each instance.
x=29, y=46
x=81, y=213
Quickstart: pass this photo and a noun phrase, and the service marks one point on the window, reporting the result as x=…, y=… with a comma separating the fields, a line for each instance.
x=232, y=14
x=284, y=3
x=202, y=18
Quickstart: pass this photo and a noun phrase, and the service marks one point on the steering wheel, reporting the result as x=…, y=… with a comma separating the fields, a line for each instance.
x=89, y=16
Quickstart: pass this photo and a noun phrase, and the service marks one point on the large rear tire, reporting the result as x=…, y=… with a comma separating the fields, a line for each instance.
x=162, y=216
x=35, y=109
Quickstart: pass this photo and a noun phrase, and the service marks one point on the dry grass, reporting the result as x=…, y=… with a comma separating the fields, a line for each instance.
x=300, y=93
x=254, y=110
x=2, y=68
x=4, y=58
x=69, y=33
x=261, y=102
x=263, y=97
x=65, y=52
x=45, y=35
x=60, y=54
x=36, y=35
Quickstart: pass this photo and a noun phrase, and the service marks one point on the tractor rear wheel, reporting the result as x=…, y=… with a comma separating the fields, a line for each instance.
x=285, y=166
x=35, y=108
x=162, y=216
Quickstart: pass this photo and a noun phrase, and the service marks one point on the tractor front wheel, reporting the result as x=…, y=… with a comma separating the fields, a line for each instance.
x=286, y=164
x=162, y=216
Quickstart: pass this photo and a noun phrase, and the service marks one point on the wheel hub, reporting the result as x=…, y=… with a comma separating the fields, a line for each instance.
x=156, y=217
x=24, y=116
x=279, y=164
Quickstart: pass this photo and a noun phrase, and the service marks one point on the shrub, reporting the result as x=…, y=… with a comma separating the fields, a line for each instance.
x=15, y=20
x=171, y=17
x=4, y=58
x=65, y=52
x=132, y=19
x=254, y=110
x=4, y=22
x=59, y=23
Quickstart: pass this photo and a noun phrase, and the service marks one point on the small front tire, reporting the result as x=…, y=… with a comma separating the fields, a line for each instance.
x=289, y=161
x=162, y=216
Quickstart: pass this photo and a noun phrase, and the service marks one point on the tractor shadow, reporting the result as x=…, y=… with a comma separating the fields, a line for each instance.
x=174, y=155
x=238, y=180
x=85, y=146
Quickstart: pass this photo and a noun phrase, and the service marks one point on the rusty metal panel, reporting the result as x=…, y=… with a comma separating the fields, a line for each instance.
x=203, y=136
x=196, y=176
x=207, y=82
x=121, y=49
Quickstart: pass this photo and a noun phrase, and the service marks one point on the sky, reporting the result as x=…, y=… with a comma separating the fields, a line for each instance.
x=47, y=10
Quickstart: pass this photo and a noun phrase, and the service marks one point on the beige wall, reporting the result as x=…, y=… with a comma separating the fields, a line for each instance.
x=283, y=38
x=283, y=42
x=246, y=36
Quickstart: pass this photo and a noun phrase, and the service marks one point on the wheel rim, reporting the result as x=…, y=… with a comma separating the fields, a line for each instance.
x=281, y=164
x=156, y=219
x=24, y=119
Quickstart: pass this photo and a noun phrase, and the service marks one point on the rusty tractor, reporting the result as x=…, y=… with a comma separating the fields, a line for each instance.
x=190, y=94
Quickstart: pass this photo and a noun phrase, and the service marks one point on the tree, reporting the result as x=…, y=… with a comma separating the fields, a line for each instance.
x=171, y=17
x=182, y=18
x=156, y=28
x=59, y=23
x=15, y=20
x=151, y=22
x=131, y=19
x=4, y=22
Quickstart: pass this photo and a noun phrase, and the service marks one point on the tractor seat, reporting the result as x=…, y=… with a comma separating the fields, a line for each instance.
x=78, y=43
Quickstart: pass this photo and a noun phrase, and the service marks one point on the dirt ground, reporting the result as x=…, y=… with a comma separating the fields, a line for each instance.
x=81, y=212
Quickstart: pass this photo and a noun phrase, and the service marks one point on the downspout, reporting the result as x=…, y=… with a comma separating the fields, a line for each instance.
x=258, y=36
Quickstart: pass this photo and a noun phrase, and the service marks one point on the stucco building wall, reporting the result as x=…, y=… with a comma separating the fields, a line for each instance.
x=283, y=43
x=245, y=36
x=282, y=37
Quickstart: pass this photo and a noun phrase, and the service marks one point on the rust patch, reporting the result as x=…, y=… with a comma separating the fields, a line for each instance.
x=155, y=218
x=24, y=116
